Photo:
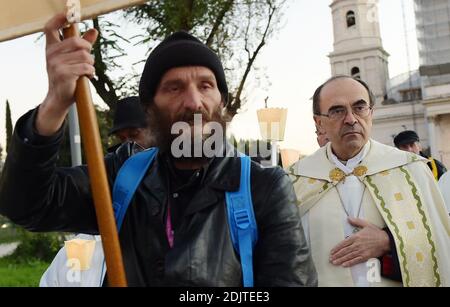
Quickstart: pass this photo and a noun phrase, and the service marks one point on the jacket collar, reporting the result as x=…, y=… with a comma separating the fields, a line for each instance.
x=224, y=171
x=222, y=174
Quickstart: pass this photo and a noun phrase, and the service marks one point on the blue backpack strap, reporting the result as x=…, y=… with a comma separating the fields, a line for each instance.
x=128, y=179
x=241, y=218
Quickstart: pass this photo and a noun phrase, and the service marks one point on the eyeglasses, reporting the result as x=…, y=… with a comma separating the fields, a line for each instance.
x=340, y=113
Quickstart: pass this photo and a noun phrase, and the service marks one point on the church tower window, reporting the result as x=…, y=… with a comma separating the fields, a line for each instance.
x=351, y=19
x=356, y=73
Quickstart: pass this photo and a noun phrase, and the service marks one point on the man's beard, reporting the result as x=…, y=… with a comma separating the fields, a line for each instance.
x=161, y=126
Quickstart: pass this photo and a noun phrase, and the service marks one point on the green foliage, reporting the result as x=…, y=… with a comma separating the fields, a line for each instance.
x=36, y=247
x=104, y=122
x=235, y=30
x=13, y=274
x=167, y=16
x=8, y=235
x=9, y=127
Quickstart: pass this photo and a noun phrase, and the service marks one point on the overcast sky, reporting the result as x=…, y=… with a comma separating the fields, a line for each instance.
x=295, y=62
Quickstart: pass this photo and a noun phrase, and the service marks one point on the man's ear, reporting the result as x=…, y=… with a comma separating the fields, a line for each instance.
x=419, y=145
x=223, y=108
x=318, y=121
x=225, y=99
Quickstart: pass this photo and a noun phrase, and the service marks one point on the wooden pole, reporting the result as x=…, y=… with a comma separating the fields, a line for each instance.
x=98, y=178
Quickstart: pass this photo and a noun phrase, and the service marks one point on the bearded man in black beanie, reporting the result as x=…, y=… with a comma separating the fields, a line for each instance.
x=175, y=232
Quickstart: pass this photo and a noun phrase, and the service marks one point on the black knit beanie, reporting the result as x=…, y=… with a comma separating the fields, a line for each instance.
x=178, y=50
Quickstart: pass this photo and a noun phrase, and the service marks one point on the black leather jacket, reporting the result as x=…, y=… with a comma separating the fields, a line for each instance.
x=40, y=197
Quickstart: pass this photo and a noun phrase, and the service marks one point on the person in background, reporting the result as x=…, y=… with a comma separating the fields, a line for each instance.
x=322, y=138
x=409, y=141
x=130, y=124
x=444, y=185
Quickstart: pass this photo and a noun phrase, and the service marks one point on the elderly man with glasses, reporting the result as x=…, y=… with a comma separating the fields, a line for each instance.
x=372, y=214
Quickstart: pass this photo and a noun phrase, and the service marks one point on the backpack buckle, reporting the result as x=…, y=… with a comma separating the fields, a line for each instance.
x=242, y=218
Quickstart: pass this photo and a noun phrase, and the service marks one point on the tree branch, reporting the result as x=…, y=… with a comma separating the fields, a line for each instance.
x=236, y=105
x=225, y=9
x=186, y=22
x=103, y=83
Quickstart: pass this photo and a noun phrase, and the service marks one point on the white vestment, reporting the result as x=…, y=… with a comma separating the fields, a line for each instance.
x=397, y=191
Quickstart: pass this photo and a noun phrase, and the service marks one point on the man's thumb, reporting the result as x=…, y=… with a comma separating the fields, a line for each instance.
x=358, y=222
x=91, y=36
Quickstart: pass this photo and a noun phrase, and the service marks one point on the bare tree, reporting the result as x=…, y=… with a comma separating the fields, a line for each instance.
x=253, y=46
x=236, y=30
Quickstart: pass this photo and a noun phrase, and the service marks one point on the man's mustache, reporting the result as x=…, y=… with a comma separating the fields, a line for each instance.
x=189, y=116
x=356, y=128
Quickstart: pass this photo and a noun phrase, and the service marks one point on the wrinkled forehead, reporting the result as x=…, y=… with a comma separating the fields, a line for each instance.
x=409, y=143
x=186, y=73
x=342, y=92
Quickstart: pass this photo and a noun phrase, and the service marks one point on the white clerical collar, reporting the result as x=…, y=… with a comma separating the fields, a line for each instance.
x=351, y=163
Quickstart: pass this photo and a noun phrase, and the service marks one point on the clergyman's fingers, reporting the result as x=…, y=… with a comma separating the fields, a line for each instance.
x=346, y=243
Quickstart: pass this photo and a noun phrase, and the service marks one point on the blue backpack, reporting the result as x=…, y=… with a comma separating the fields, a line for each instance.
x=241, y=217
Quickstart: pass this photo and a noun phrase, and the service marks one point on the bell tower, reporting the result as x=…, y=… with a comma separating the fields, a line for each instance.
x=358, y=50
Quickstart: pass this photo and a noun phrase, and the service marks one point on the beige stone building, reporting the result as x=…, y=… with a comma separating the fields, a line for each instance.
x=418, y=100
x=358, y=50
